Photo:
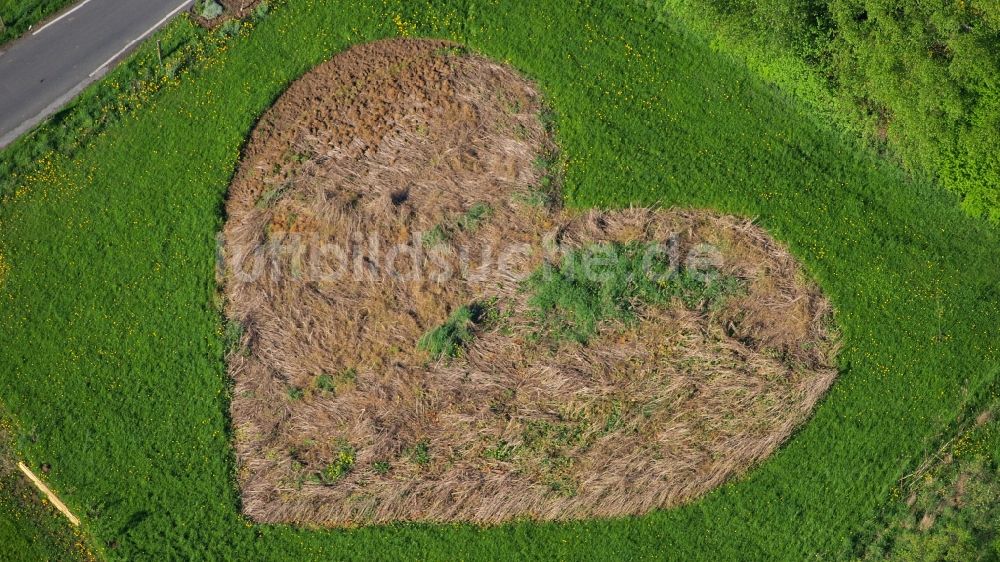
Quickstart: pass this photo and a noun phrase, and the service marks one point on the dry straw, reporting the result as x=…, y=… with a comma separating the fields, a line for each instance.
x=341, y=419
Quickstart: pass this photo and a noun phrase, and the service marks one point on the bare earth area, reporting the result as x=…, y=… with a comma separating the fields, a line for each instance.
x=418, y=331
x=230, y=9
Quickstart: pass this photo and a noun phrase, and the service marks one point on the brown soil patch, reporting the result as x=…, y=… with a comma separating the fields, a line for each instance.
x=231, y=9
x=401, y=181
x=239, y=8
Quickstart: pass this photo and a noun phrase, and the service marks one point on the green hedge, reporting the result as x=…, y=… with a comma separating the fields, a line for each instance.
x=922, y=79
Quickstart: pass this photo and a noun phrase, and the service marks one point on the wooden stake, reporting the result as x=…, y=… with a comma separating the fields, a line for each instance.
x=48, y=493
x=159, y=53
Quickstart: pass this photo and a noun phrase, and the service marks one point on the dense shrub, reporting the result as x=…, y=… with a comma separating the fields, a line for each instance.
x=923, y=77
x=930, y=71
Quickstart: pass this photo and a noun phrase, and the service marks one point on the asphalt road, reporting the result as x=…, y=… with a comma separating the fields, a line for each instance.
x=44, y=69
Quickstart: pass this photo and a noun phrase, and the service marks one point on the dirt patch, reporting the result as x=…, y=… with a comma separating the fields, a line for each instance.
x=212, y=13
x=418, y=332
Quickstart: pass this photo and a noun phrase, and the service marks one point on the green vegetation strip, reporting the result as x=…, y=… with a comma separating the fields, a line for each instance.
x=599, y=283
x=111, y=345
x=18, y=15
x=608, y=281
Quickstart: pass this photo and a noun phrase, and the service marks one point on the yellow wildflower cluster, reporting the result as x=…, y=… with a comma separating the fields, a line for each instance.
x=405, y=28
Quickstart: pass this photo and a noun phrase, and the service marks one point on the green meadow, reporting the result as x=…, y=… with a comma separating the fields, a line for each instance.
x=112, y=342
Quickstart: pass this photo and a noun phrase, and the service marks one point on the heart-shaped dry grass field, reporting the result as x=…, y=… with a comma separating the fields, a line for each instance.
x=419, y=332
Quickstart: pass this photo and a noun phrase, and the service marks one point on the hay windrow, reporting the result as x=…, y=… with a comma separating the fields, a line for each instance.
x=389, y=357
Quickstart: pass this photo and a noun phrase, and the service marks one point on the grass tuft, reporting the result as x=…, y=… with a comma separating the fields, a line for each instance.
x=449, y=339
x=338, y=382
x=420, y=453
x=342, y=465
